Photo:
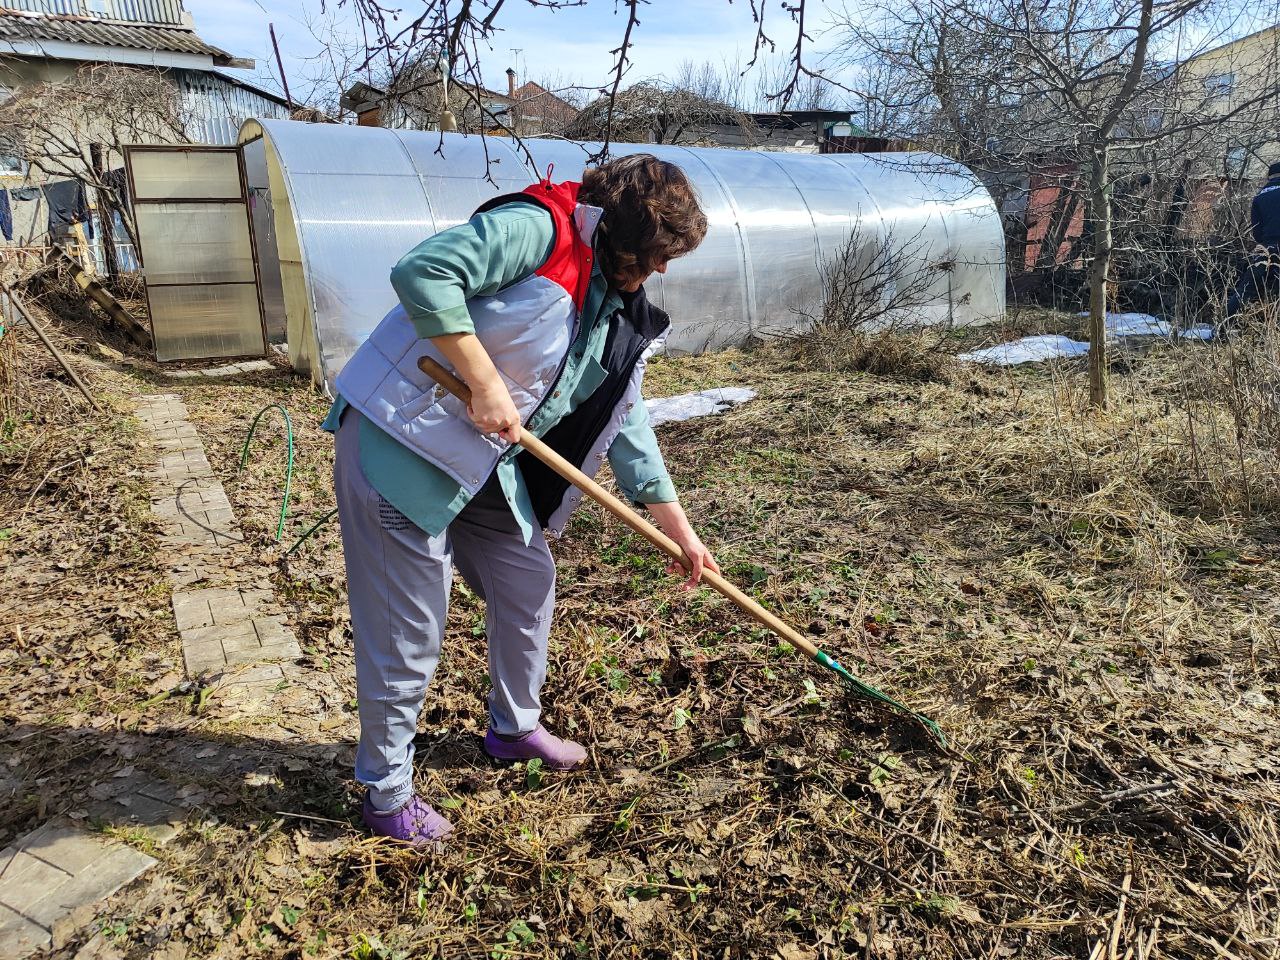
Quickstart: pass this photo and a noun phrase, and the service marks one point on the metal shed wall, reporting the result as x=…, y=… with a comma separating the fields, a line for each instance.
x=359, y=198
x=214, y=109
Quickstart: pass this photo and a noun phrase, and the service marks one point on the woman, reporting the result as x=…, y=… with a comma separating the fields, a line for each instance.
x=538, y=304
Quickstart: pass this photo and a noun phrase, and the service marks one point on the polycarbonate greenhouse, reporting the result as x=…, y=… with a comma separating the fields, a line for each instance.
x=347, y=202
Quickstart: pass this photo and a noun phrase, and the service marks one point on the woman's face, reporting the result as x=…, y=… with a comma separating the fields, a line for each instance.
x=631, y=286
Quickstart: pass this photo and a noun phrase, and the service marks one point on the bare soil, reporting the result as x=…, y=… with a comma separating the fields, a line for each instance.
x=1086, y=604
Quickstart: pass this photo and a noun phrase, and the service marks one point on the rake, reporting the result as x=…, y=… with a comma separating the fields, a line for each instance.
x=668, y=546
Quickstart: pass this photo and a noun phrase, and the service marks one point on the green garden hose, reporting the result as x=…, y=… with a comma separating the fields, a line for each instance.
x=313, y=528
x=288, y=470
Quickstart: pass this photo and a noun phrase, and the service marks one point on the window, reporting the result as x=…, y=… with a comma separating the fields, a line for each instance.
x=1219, y=85
x=1235, y=162
x=11, y=162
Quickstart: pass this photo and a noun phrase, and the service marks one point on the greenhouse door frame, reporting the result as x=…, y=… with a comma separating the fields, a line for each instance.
x=243, y=201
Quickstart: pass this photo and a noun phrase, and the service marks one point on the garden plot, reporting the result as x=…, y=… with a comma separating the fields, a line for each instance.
x=1085, y=604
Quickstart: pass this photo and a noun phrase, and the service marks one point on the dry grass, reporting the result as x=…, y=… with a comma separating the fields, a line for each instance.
x=86, y=630
x=1085, y=603
x=920, y=355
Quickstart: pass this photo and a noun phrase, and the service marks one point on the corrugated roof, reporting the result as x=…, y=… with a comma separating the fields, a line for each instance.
x=25, y=26
x=252, y=87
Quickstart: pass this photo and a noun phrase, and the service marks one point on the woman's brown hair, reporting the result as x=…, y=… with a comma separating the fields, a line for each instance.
x=651, y=214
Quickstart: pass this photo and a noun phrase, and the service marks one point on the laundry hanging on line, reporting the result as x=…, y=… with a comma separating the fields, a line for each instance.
x=68, y=205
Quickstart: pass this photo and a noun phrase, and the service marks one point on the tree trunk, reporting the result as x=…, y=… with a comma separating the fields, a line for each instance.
x=1100, y=215
x=106, y=211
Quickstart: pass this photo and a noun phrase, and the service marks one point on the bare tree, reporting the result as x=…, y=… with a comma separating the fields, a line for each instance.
x=339, y=61
x=810, y=91
x=753, y=86
x=999, y=84
x=656, y=111
x=876, y=284
x=77, y=128
x=462, y=33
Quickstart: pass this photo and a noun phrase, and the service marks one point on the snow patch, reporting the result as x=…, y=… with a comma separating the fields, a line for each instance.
x=1027, y=350
x=1052, y=347
x=704, y=403
x=1136, y=325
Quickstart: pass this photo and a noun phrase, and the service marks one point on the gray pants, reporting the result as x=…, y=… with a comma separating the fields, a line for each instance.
x=398, y=580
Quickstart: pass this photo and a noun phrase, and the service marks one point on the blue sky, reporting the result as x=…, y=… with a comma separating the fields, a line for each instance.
x=569, y=45
x=572, y=45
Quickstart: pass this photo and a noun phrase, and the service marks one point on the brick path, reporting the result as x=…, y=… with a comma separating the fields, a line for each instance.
x=219, y=627
x=53, y=878
x=48, y=876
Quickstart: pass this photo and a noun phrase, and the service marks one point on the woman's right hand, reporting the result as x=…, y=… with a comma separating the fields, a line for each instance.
x=493, y=411
x=491, y=407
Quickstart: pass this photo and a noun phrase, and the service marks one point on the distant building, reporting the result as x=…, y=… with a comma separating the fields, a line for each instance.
x=530, y=110
x=46, y=43
x=418, y=103
x=536, y=110
x=1228, y=81
x=1227, y=97
x=798, y=131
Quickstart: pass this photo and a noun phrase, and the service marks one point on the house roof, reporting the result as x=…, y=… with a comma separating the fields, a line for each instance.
x=20, y=26
x=253, y=88
x=781, y=117
x=361, y=95
x=1231, y=43
x=530, y=91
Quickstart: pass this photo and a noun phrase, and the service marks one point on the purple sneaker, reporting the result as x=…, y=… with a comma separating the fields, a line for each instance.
x=541, y=744
x=415, y=823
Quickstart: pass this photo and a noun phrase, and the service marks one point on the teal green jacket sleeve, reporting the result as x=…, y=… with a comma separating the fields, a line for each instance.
x=478, y=258
x=637, y=462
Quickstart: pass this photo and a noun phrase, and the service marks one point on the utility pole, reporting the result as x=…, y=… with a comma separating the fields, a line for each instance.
x=284, y=81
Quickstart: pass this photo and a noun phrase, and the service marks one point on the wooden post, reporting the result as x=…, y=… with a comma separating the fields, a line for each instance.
x=102, y=297
x=1100, y=215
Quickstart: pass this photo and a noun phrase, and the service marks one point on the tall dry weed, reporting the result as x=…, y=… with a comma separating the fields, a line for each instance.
x=8, y=376
x=1229, y=396
x=880, y=312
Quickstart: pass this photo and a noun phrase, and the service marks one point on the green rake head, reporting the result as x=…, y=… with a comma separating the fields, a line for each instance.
x=871, y=693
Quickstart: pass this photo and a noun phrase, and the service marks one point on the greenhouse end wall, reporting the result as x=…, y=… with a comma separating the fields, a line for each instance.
x=359, y=198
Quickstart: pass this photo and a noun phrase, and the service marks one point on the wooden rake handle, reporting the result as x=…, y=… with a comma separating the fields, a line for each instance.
x=628, y=516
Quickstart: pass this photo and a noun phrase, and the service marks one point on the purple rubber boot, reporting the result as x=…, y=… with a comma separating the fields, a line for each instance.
x=415, y=823
x=541, y=744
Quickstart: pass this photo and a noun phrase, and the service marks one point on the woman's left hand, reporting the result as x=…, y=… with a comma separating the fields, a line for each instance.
x=675, y=524
x=698, y=555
